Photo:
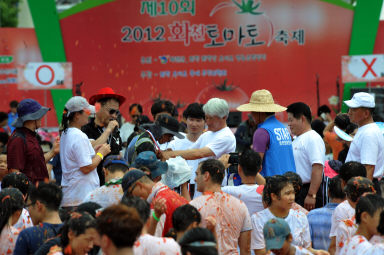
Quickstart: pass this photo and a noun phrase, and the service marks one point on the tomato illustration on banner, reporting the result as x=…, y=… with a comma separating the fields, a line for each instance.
x=45, y=76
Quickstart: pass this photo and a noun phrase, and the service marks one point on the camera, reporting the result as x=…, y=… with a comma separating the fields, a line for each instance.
x=234, y=162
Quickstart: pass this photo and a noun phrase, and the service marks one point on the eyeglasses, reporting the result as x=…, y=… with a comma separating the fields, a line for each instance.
x=113, y=111
x=131, y=189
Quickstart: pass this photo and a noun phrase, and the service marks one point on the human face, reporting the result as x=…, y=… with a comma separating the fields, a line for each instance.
x=214, y=123
x=108, y=111
x=165, y=138
x=199, y=180
x=4, y=123
x=285, y=249
x=33, y=211
x=3, y=166
x=195, y=126
x=82, y=243
x=83, y=117
x=358, y=115
x=138, y=190
x=373, y=222
x=258, y=117
x=287, y=197
x=295, y=125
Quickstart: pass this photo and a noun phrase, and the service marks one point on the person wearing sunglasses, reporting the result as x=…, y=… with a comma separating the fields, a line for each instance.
x=104, y=127
x=77, y=156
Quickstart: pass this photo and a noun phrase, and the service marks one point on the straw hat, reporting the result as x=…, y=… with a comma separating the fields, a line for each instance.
x=261, y=101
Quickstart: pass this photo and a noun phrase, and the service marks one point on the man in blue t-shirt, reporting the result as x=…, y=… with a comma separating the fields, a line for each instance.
x=43, y=207
x=271, y=139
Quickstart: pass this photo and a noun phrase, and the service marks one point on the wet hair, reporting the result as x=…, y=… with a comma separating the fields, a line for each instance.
x=16, y=180
x=194, y=110
x=323, y=109
x=250, y=162
x=104, y=100
x=198, y=241
x=380, y=228
x=68, y=118
x=342, y=121
x=141, y=205
x=357, y=186
x=116, y=167
x=369, y=203
x=138, y=106
x=89, y=207
x=78, y=223
x=47, y=193
x=216, y=107
x=121, y=224
x=352, y=169
x=11, y=200
x=3, y=116
x=184, y=216
x=296, y=181
x=300, y=109
x=215, y=169
x=13, y=104
x=334, y=188
x=162, y=106
x=274, y=184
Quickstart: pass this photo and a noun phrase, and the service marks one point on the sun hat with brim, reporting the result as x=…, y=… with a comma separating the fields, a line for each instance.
x=130, y=178
x=29, y=109
x=340, y=133
x=149, y=160
x=361, y=99
x=169, y=125
x=78, y=103
x=261, y=101
x=275, y=233
x=106, y=92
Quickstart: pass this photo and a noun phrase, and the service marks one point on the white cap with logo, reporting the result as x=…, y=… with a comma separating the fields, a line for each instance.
x=361, y=99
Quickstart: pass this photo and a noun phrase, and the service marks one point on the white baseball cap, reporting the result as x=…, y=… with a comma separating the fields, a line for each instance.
x=361, y=99
x=78, y=103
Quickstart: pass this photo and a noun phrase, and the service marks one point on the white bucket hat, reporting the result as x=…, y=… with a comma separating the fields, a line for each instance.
x=261, y=101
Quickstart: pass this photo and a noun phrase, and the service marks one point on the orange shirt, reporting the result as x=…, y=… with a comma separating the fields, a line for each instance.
x=331, y=139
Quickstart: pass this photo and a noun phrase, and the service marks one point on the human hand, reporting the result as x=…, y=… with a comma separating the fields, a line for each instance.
x=224, y=159
x=104, y=149
x=111, y=125
x=160, y=207
x=56, y=146
x=309, y=203
x=211, y=223
x=319, y=252
x=164, y=155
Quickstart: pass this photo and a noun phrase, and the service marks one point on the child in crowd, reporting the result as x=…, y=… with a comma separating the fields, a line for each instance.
x=3, y=166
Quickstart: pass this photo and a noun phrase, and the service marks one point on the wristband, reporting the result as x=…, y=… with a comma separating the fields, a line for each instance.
x=154, y=216
x=100, y=155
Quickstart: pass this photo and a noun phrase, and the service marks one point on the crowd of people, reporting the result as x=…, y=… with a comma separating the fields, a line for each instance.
x=190, y=184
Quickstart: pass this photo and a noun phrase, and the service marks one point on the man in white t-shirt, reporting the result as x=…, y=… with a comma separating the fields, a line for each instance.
x=309, y=154
x=367, y=146
x=248, y=192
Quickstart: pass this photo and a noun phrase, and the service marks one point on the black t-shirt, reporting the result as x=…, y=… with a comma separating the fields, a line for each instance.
x=94, y=131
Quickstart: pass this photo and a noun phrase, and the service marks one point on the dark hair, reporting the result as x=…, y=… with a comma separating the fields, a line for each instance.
x=250, y=162
x=3, y=116
x=16, y=180
x=194, y=110
x=4, y=138
x=215, y=169
x=116, y=167
x=11, y=200
x=350, y=128
x=184, y=216
x=105, y=100
x=299, y=109
x=121, y=224
x=78, y=223
x=352, y=169
x=13, y=104
x=357, y=186
x=162, y=106
x=198, y=241
x=47, y=193
x=380, y=228
x=141, y=205
x=323, y=109
x=296, y=181
x=342, y=121
x=274, y=184
x=334, y=188
x=68, y=118
x=139, y=107
x=89, y=207
x=369, y=203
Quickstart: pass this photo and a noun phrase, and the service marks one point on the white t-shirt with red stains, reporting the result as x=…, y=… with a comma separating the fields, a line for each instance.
x=344, y=232
x=343, y=211
x=356, y=246
x=8, y=239
x=152, y=245
x=232, y=218
x=297, y=221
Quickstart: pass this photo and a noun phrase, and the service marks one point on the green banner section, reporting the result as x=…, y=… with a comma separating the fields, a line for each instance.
x=340, y=3
x=365, y=24
x=83, y=7
x=48, y=33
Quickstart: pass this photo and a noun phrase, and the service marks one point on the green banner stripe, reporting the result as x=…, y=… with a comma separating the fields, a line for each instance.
x=48, y=33
x=365, y=24
x=83, y=7
x=340, y=3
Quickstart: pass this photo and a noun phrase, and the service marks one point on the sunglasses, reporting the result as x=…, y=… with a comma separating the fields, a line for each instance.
x=113, y=111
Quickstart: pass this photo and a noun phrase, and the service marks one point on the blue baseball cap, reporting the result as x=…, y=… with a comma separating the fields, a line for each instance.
x=275, y=233
x=130, y=178
x=114, y=159
x=149, y=160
